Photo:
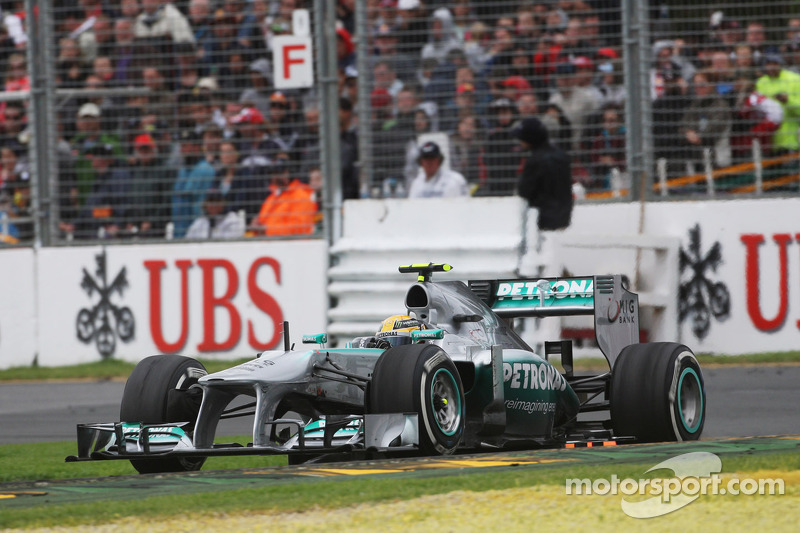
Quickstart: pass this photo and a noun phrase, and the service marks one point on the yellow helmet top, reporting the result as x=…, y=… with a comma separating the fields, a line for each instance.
x=397, y=323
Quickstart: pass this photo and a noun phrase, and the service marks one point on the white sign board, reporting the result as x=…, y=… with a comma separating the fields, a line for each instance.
x=225, y=300
x=17, y=307
x=293, y=61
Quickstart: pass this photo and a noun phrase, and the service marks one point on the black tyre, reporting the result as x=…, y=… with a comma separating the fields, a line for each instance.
x=156, y=393
x=658, y=393
x=421, y=378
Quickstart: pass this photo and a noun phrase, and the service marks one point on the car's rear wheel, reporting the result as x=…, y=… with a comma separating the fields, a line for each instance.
x=156, y=392
x=658, y=393
x=421, y=378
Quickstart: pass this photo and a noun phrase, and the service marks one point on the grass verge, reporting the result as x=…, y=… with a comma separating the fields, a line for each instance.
x=302, y=494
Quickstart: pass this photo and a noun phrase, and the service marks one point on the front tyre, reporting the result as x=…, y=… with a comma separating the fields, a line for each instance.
x=658, y=393
x=421, y=378
x=155, y=393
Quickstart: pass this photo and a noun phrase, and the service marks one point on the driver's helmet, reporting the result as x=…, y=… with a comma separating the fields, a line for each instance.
x=396, y=330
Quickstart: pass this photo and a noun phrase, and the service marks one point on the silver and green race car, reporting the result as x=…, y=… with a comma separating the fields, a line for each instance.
x=463, y=381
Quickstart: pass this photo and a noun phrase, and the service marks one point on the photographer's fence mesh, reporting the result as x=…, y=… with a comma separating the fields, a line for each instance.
x=167, y=123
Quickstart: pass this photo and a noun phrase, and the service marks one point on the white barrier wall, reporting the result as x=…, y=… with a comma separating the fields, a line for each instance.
x=128, y=302
x=18, y=334
x=738, y=289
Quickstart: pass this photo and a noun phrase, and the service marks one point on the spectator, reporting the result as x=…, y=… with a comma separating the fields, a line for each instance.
x=260, y=84
x=308, y=145
x=123, y=53
x=290, y=207
x=756, y=38
x=782, y=85
x=475, y=46
x=90, y=134
x=348, y=140
x=16, y=78
x=251, y=34
x=434, y=180
x=401, y=63
x=756, y=117
x=9, y=233
x=527, y=105
x=502, y=155
x=201, y=22
x=345, y=49
x=441, y=37
x=607, y=148
x=610, y=82
x=385, y=78
x=162, y=19
x=160, y=98
x=70, y=72
x=241, y=187
x=281, y=119
x=466, y=154
x=706, y=122
x=13, y=125
x=576, y=95
x=234, y=73
x=217, y=221
x=791, y=47
x=668, y=109
x=104, y=212
x=186, y=72
x=251, y=129
x=412, y=27
x=130, y=8
x=194, y=180
x=546, y=180
x=97, y=39
x=464, y=106
x=16, y=186
x=151, y=187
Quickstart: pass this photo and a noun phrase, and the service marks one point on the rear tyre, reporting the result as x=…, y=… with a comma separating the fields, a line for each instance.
x=658, y=393
x=156, y=393
x=421, y=378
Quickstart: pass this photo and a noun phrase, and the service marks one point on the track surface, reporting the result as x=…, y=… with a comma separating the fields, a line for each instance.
x=742, y=401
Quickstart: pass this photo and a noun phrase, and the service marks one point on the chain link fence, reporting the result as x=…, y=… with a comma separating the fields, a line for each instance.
x=165, y=122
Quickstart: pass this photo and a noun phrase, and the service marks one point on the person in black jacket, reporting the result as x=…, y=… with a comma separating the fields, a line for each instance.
x=546, y=179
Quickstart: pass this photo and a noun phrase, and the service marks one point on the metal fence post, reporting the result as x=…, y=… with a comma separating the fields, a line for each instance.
x=638, y=111
x=325, y=37
x=364, y=108
x=43, y=169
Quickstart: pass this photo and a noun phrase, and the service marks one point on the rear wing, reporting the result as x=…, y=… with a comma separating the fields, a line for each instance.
x=615, y=309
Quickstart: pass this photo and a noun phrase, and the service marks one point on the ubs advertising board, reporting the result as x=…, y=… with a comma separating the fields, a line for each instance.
x=210, y=300
x=739, y=264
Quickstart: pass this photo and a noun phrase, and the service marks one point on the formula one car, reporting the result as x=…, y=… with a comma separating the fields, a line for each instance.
x=452, y=376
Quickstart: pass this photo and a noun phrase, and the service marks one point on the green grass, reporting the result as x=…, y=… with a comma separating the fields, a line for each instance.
x=116, y=369
x=44, y=461
x=105, y=369
x=299, y=495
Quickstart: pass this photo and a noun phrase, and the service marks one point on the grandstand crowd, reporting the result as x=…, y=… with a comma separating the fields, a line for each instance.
x=173, y=127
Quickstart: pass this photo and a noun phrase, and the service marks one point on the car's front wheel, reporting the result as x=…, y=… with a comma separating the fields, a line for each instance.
x=156, y=393
x=421, y=378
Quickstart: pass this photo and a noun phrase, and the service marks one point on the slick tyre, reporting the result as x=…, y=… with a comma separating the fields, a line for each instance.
x=421, y=378
x=658, y=393
x=156, y=392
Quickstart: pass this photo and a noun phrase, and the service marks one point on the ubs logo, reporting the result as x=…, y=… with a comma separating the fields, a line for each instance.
x=104, y=321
